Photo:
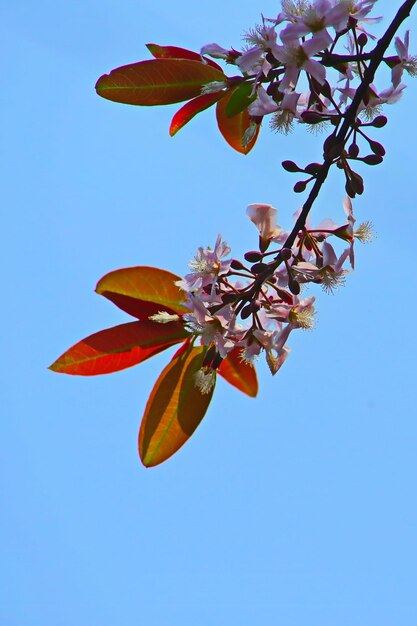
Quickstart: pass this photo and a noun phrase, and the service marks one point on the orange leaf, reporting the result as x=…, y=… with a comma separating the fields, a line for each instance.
x=158, y=81
x=174, y=409
x=191, y=108
x=174, y=52
x=119, y=347
x=142, y=291
x=238, y=373
x=234, y=128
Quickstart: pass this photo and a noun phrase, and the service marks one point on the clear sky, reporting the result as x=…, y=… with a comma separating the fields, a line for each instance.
x=297, y=508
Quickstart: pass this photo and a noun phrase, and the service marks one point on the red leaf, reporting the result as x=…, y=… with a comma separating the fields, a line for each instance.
x=189, y=110
x=158, y=81
x=119, y=347
x=174, y=52
x=174, y=409
x=238, y=373
x=234, y=128
x=143, y=291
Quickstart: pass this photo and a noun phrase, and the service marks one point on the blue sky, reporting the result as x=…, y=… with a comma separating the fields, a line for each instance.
x=296, y=508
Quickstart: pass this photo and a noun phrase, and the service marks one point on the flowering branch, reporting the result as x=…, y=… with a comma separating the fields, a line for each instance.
x=226, y=312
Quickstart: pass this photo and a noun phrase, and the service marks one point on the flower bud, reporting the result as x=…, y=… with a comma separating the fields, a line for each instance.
x=353, y=150
x=313, y=168
x=326, y=89
x=290, y=166
x=214, y=87
x=246, y=311
x=362, y=40
x=253, y=256
x=372, y=159
x=215, y=51
x=300, y=186
x=237, y=265
x=228, y=298
x=377, y=148
x=285, y=296
x=335, y=150
x=311, y=117
x=258, y=268
x=379, y=121
x=286, y=254
x=328, y=143
x=349, y=189
x=294, y=286
x=357, y=183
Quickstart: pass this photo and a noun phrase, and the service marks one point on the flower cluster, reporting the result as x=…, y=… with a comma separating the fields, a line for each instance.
x=313, y=63
x=254, y=305
x=289, y=71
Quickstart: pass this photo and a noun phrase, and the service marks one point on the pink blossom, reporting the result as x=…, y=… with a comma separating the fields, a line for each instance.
x=316, y=19
x=264, y=218
x=218, y=329
x=407, y=62
x=359, y=10
x=206, y=266
x=215, y=51
x=297, y=57
x=263, y=104
x=375, y=99
x=348, y=208
x=273, y=342
x=253, y=61
x=299, y=314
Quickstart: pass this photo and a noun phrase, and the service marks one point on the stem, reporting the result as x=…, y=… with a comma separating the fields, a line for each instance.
x=350, y=116
x=329, y=60
x=376, y=57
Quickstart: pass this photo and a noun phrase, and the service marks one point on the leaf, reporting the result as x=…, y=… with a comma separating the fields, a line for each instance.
x=158, y=81
x=119, y=347
x=240, y=99
x=174, y=52
x=174, y=409
x=143, y=291
x=189, y=110
x=238, y=373
x=234, y=128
